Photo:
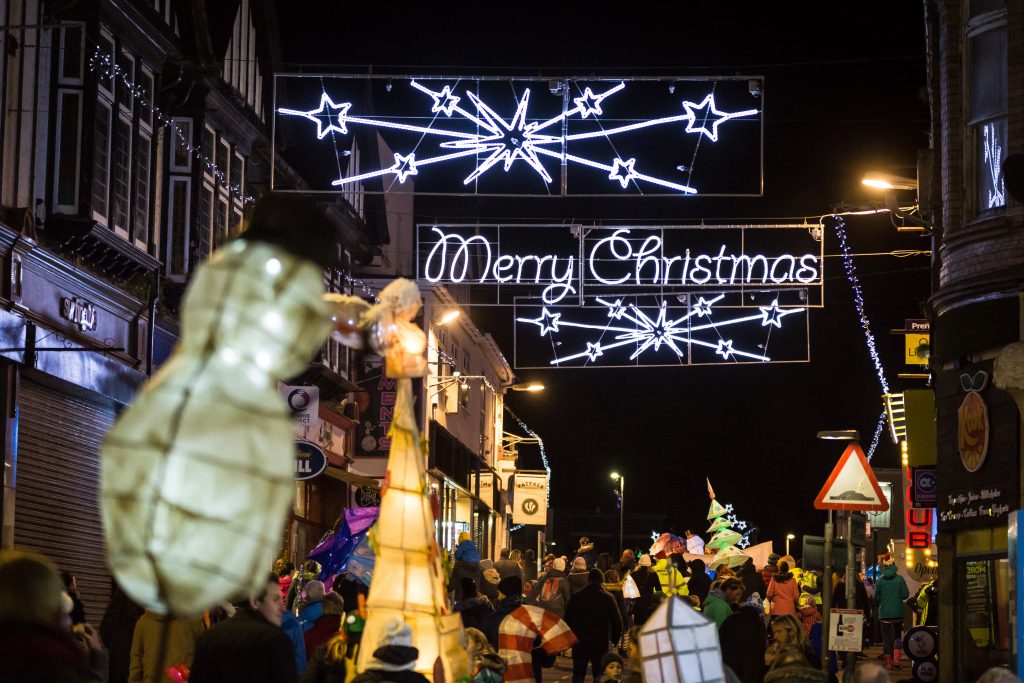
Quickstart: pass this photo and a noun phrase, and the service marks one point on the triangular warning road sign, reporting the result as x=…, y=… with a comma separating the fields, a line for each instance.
x=852, y=485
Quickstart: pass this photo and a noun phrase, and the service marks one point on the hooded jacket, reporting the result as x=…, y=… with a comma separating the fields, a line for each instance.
x=467, y=551
x=890, y=592
x=473, y=610
x=594, y=617
x=717, y=608
x=552, y=592
x=784, y=594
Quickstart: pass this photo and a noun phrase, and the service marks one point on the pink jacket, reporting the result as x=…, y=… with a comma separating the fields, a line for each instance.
x=784, y=594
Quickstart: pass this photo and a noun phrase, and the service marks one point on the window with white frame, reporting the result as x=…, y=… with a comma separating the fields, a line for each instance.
x=223, y=189
x=987, y=95
x=70, y=101
x=122, y=148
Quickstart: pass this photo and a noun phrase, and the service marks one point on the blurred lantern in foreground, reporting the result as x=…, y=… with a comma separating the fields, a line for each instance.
x=407, y=580
x=198, y=472
x=678, y=645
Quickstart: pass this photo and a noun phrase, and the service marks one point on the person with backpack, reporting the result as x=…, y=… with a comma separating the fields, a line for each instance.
x=552, y=592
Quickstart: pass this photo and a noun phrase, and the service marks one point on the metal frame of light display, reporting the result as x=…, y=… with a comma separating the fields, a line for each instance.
x=629, y=296
x=530, y=136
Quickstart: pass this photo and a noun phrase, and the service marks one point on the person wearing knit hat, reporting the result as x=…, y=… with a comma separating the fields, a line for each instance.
x=645, y=561
x=611, y=667
x=552, y=590
x=578, y=575
x=509, y=586
x=395, y=657
x=770, y=569
x=558, y=564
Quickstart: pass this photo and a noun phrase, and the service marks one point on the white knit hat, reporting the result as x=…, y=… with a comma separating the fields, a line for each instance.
x=645, y=561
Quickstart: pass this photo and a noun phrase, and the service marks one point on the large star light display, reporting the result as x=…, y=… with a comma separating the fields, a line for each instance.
x=503, y=142
x=630, y=332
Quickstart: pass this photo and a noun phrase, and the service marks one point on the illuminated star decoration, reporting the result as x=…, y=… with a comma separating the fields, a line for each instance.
x=319, y=115
x=497, y=141
x=651, y=331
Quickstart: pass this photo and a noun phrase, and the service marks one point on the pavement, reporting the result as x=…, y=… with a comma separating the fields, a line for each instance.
x=561, y=672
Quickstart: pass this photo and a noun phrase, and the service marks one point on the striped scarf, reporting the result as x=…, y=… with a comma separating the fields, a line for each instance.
x=516, y=636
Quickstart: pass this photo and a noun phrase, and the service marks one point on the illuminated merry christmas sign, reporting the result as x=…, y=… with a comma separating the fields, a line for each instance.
x=562, y=136
x=638, y=295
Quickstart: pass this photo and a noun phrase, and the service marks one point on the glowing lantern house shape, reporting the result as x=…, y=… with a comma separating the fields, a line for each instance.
x=408, y=583
x=198, y=474
x=678, y=645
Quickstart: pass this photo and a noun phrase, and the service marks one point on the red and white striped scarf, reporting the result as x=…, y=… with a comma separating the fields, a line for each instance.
x=516, y=635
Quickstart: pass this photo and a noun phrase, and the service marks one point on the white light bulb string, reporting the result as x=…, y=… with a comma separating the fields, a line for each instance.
x=858, y=300
x=105, y=65
x=543, y=458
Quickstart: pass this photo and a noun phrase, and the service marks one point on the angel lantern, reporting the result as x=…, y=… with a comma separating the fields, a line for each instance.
x=197, y=474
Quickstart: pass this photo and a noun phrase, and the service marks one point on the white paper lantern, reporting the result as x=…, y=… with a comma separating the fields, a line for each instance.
x=198, y=473
x=679, y=645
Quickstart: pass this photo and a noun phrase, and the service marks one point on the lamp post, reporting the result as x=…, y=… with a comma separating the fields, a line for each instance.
x=622, y=505
x=789, y=537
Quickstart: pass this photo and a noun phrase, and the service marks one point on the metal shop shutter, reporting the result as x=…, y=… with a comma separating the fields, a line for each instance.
x=57, y=487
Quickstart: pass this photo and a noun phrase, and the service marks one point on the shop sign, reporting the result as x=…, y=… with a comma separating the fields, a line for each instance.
x=529, y=501
x=919, y=527
x=79, y=311
x=310, y=460
x=846, y=630
x=486, y=487
x=376, y=409
x=917, y=341
x=924, y=486
x=366, y=497
x=303, y=402
x=977, y=478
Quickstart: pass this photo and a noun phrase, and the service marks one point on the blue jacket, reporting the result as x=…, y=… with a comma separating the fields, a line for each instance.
x=310, y=613
x=467, y=551
x=291, y=627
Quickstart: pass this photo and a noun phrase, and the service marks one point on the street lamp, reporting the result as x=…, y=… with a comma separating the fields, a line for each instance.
x=527, y=386
x=789, y=537
x=622, y=504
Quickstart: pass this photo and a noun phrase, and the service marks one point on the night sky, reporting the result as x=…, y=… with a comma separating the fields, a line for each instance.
x=843, y=95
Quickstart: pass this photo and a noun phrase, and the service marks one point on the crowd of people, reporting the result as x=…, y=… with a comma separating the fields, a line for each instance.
x=519, y=615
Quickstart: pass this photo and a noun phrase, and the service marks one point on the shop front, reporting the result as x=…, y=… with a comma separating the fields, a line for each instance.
x=464, y=490
x=978, y=486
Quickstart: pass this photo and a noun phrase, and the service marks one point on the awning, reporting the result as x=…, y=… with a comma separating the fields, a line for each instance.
x=352, y=478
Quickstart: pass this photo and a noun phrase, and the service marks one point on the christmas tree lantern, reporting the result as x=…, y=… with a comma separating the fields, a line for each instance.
x=678, y=645
x=198, y=474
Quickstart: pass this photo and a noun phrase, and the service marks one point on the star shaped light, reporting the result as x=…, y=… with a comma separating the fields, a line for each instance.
x=615, y=310
x=318, y=115
x=404, y=166
x=710, y=111
x=741, y=525
x=728, y=506
x=594, y=350
x=588, y=103
x=548, y=321
x=702, y=308
x=445, y=101
x=505, y=141
x=618, y=166
x=773, y=315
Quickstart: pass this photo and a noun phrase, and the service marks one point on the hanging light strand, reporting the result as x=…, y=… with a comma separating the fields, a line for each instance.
x=543, y=458
x=882, y=419
x=104, y=64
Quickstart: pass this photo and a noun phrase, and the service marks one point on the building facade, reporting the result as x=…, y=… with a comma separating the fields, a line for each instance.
x=976, y=83
x=134, y=136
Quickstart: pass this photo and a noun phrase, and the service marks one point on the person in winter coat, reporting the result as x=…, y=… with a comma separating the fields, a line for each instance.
x=783, y=592
x=672, y=575
x=508, y=567
x=312, y=605
x=472, y=607
x=182, y=634
x=770, y=569
x=587, y=552
x=752, y=580
x=594, y=617
x=327, y=625
x=467, y=565
x=787, y=632
x=33, y=645
x=335, y=661
x=603, y=563
x=487, y=665
x=699, y=583
x=488, y=587
x=743, y=641
x=722, y=600
x=860, y=593
x=578, y=575
x=510, y=597
x=117, y=629
x=613, y=584
x=395, y=659
x=293, y=629
x=529, y=566
x=552, y=592
x=890, y=592
x=249, y=646
x=649, y=587
x=71, y=588
x=285, y=573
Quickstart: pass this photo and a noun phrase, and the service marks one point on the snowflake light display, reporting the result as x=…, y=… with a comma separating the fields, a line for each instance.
x=645, y=332
x=464, y=126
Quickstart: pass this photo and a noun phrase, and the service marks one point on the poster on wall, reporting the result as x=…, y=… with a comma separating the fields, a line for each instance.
x=376, y=410
x=529, y=498
x=978, y=438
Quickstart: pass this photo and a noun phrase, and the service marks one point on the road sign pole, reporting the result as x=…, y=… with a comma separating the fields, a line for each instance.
x=826, y=592
x=851, y=596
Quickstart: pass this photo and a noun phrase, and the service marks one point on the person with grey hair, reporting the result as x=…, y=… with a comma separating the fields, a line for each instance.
x=870, y=672
x=998, y=674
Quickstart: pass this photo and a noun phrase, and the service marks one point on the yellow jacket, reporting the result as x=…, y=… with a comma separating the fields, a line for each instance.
x=664, y=569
